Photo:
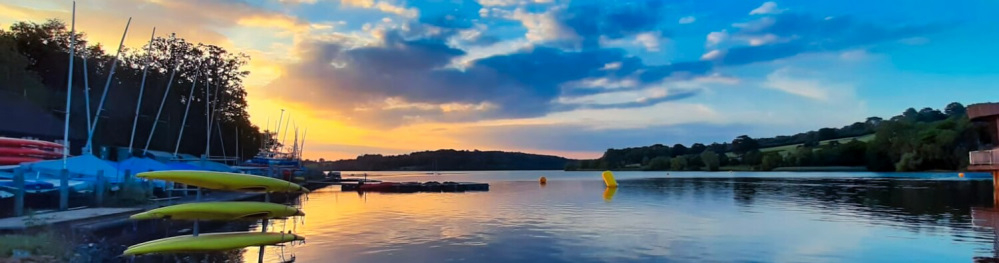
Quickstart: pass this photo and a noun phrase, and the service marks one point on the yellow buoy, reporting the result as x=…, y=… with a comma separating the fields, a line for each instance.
x=543, y=180
x=609, y=179
x=960, y=175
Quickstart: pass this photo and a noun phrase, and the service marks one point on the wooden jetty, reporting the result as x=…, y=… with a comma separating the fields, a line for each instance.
x=413, y=187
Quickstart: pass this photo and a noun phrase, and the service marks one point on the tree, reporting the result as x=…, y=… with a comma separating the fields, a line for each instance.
x=827, y=134
x=753, y=157
x=678, y=164
x=679, y=150
x=44, y=51
x=874, y=121
x=660, y=163
x=955, y=109
x=710, y=160
x=697, y=148
x=771, y=160
x=743, y=144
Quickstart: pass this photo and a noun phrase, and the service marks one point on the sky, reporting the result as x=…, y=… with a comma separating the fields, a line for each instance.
x=569, y=78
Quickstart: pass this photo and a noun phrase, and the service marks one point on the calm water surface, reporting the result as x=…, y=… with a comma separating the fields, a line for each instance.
x=652, y=217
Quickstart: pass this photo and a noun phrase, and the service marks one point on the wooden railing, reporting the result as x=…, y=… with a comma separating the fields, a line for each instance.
x=987, y=157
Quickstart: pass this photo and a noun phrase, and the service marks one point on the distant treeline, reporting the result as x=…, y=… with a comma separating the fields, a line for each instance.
x=449, y=160
x=926, y=139
x=34, y=60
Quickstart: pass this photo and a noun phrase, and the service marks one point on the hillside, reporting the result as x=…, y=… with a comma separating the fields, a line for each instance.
x=916, y=140
x=450, y=160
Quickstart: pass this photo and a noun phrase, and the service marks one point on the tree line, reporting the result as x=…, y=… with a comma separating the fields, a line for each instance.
x=448, y=160
x=34, y=60
x=916, y=140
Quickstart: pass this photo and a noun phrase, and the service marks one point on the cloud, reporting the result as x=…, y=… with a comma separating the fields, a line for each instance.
x=583, y=26
x=687, y=20
x=412, y=80
x=511, y=2
x=714, y=38
x=298, y=1
x=648, y=40
x=784, y=80
x=544, y=27
x=766, y=9
x=382, y=6
x=788, y=34
x=711, y=55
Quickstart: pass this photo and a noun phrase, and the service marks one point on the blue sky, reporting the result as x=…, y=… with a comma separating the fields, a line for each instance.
x=576, y=77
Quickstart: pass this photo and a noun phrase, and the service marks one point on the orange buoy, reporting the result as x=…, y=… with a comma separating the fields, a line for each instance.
x=960, y=175
x=543, y=180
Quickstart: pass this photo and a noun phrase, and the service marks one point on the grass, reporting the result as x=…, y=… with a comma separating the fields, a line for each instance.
x=41, y=245
x=786, y=149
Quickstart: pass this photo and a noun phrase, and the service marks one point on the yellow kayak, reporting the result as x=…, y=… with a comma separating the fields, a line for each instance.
x=210, y=242
x=225, y=181
x=220, y=211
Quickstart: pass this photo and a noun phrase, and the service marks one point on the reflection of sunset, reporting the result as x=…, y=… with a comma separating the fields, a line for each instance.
x=679, y=218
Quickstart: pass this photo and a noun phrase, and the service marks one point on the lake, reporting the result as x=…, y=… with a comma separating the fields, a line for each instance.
x=651, y=217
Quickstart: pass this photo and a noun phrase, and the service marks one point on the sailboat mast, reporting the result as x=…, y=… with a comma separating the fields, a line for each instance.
x=86, y=89
x=107, y=85
x=208, y=118
x=69, y=87
x=278, y=131
x=294, y=148
x=284, y=138
x=166, y=93
x=301, y=150
x=142, y=89
x=239, y=154
x=187, y=109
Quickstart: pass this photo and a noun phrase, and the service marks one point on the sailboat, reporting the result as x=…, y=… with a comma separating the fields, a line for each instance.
x=287, y=164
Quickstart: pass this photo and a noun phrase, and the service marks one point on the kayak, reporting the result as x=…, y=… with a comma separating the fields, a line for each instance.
x=225, y=181
x=28, y=152
x=6, y=160
x=27, y=143
x=220, y=211
x=210, y=242
x=29, y=185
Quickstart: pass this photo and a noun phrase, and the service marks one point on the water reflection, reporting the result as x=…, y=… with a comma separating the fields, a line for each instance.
x=654, y=220
x=651, y=220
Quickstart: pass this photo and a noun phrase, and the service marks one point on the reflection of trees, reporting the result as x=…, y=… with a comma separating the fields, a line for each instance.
x=914, y=203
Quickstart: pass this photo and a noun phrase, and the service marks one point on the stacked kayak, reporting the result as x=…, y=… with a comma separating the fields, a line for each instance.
x=210, y=242
x=17, y=151
x=219, y=211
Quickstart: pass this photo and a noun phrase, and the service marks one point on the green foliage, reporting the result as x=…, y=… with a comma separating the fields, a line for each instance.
x=661, y=163
x=453, y=160
x=678, y=164
x=770, y=161
x=926, y=139
x=744, y=144
x=131, y=194
x=34, y=62
x=45, y=243
x=752, y=158
x=711, y=160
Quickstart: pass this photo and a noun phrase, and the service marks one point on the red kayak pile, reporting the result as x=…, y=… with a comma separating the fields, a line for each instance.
x=17, y=151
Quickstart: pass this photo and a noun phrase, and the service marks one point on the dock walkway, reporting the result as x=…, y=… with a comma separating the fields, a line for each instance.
x=92, y=213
